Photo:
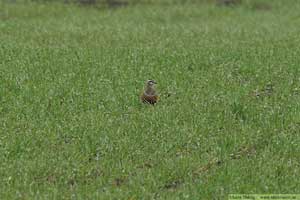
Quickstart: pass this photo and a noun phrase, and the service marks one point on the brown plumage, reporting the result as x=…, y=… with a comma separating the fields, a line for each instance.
x=149, y=94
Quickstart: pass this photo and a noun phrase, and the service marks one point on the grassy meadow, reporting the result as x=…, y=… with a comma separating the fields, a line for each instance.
x=72, y=125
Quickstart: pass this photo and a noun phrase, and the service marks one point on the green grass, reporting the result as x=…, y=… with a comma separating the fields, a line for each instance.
x=72, y=126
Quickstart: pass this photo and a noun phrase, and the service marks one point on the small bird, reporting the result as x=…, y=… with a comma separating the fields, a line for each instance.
x=149, y=94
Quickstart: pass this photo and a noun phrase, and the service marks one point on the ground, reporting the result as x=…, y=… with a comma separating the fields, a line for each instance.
x=72, y=125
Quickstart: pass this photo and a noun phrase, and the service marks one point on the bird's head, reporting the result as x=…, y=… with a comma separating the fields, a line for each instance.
x=150, y=83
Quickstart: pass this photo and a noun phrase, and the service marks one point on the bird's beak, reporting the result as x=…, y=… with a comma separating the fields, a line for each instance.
x=154, y=82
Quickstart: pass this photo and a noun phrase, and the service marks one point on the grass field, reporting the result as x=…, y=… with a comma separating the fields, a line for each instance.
x=72, y=126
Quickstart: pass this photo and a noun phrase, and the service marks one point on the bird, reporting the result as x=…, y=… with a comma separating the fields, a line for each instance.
x=149, y=95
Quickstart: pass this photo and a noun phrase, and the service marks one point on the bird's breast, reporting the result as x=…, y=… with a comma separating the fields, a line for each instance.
x=152, y=99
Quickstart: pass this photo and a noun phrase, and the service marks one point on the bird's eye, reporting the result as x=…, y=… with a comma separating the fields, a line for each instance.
x=151, y=82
